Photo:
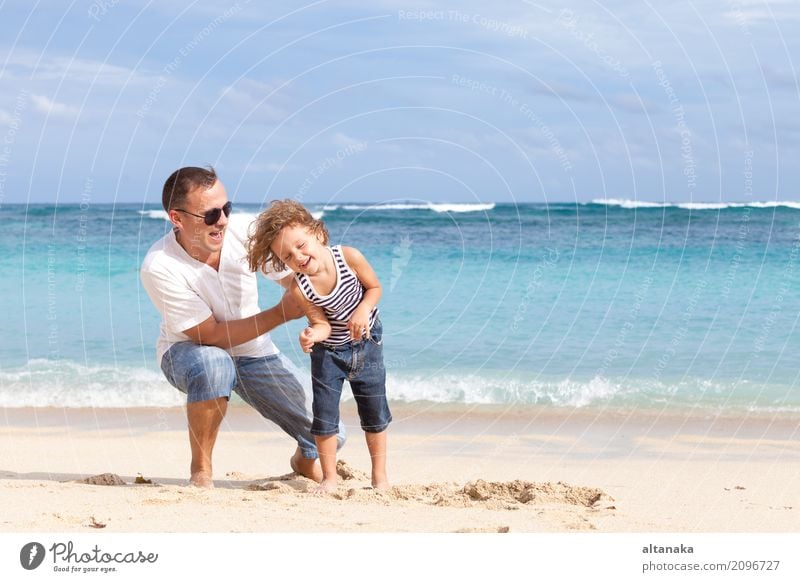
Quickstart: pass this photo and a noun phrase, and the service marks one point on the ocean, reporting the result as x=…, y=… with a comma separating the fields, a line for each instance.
x=615, y=304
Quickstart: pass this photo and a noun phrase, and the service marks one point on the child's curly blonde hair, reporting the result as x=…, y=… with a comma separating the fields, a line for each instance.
x=279, y=215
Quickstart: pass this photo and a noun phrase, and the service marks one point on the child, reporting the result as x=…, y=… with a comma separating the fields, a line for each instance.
x=339, y=293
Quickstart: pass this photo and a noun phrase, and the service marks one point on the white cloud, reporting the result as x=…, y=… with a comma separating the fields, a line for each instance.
x=52, y=108
x=633, y=103
x=25, y=65
x=267, y=168
x=467, y=140
x=254, y=97
x=344, y=141
x=746, y=12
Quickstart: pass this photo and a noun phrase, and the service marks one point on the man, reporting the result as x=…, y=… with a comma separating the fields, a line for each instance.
x=213, y=335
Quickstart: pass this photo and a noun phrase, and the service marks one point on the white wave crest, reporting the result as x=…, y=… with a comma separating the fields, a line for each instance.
x=482, y=390
x=775, y=204
x=706, y=205
x=434, y=206
x=630, y=204
x=155, y=214
x=461, y=207
x=45, y=383
x=62, y=383
x=385, y=206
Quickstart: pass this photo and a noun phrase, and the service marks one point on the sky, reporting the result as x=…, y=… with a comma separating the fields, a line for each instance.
x=508, y=101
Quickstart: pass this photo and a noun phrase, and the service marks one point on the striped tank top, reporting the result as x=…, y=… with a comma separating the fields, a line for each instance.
x=340, y=303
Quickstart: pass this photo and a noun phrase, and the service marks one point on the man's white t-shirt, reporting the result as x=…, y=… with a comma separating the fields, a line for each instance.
x=187, y=292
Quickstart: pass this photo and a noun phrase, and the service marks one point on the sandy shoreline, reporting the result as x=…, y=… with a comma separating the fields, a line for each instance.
x=454, y=469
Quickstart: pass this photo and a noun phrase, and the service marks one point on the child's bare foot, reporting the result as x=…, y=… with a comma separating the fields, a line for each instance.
x=326, y=487
x=381, y=484
x=305, y=467
x=202, y=480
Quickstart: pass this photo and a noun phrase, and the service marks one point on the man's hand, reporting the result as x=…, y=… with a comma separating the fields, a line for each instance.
x=289, y=307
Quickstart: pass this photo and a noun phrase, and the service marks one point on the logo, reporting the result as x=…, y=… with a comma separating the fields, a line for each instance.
x=31, y=555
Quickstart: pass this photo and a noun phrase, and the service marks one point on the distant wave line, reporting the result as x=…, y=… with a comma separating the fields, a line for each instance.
x=434, y=206
x=162, y=214
x=643, y=204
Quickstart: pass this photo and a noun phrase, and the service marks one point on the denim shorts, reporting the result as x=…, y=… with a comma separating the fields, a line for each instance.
x=360, y=363
x=265, y=383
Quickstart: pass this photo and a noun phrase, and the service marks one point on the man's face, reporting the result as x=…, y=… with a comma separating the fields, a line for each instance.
x=199, y=239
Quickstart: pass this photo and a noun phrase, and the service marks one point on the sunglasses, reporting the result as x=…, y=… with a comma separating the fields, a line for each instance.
x=211, y=217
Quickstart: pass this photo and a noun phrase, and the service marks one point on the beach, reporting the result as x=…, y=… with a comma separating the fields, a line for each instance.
x=454, y=468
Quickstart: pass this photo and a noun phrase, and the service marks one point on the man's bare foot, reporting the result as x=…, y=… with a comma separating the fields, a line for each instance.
x=202, y=480
x=381, y=484
x=326, y=487
x=306, y=467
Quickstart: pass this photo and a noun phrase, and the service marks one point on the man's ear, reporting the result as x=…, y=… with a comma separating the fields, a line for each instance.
x=175, y=218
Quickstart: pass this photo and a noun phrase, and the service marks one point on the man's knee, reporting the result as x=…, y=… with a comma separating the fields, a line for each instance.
x=201, y=372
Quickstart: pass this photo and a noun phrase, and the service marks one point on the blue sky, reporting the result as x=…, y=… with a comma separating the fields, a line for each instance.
x=333, y=101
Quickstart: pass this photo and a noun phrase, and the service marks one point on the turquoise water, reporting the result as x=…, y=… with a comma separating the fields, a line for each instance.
x=605, y=304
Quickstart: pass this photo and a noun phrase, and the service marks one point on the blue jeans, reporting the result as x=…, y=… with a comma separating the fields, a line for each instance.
x=361, y=363
x=208, y=373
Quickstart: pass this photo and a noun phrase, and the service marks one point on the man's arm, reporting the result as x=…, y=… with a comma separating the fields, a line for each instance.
x=286, y=282
x=180, y=305
x=226, y=334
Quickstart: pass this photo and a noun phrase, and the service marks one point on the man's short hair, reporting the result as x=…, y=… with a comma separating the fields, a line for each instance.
x=183, y=181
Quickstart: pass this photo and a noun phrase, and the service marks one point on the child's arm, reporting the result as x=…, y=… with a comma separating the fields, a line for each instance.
x=318, y=327
x=359, y=321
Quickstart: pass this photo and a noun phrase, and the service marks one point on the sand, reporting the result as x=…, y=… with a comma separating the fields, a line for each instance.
x=453, y=469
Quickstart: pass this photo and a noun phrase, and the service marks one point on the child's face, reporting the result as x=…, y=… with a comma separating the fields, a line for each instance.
x=299, y=249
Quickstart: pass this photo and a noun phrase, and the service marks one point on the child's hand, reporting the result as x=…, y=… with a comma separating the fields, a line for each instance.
x=307, y=339
x=359, y=324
